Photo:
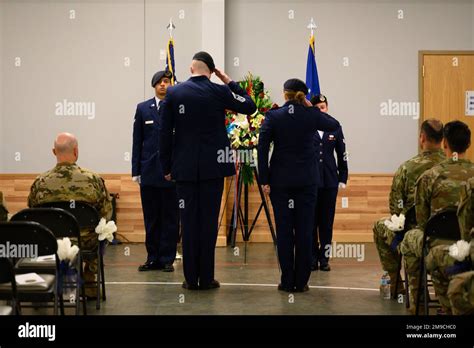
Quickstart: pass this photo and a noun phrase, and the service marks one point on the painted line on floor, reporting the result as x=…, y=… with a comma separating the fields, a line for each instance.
x=243, y=284
x=249, y=284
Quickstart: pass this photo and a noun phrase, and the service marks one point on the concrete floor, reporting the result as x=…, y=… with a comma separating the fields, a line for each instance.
x=350, y=288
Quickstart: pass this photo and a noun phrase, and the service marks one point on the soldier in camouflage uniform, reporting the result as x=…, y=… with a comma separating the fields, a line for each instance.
x=437, y=189
x=454, y=281
x=67, y=181
x=3, y=208
x=402, y=194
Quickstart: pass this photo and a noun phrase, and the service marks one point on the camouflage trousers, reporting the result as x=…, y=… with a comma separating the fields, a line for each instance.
x=89, y=241
x=437, y=261
x=461, y=293
x=411, y=249
x=383, y=238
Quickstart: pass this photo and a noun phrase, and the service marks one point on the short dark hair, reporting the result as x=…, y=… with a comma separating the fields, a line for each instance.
x=433, y=129
x=458, y=136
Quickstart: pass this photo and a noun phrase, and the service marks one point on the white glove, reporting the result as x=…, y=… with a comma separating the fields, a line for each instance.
x=342, y=185
x=137, y=179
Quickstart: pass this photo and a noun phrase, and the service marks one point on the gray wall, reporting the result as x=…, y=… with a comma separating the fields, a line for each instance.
x=383, y=60
x=82, y=60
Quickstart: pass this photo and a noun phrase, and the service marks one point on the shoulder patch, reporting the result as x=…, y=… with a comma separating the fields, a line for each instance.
x=238, y=97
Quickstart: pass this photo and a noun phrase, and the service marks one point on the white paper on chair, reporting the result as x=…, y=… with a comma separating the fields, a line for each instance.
x=29, y=279
x=45, y=258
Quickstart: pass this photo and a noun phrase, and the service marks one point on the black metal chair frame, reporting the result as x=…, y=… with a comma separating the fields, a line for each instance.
x=443, y=225
x=7, y=275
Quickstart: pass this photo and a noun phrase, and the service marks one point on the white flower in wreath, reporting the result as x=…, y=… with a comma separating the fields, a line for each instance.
x=236, y=142
x=241, y=121
x=239, y=118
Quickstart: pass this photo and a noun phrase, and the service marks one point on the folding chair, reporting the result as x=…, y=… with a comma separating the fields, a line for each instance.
x=410, y=222
x=88, y=218
x=442, y=225
x=39, y=237
x=63, y=224
x=7, y=276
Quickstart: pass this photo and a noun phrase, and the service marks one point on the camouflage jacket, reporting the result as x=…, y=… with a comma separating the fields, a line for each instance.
x=402, y=193
x=440, y=187
x=466, y=211
x=67, y=182
x=3, y=208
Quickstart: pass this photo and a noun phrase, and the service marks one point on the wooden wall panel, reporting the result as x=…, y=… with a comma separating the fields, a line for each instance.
x=367, y=197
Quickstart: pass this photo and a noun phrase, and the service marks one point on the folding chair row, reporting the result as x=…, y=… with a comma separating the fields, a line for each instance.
x=62, y=224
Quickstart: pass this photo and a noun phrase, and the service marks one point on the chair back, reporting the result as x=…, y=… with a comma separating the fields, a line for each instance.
x=86, y=215
x=28, y=237
x=444, y=225
x=61, y=222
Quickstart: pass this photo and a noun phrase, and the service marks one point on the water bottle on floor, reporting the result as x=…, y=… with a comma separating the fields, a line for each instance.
x=385, y=286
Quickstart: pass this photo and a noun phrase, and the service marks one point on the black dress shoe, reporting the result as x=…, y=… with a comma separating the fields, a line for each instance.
x=189, y=286
x=168, y=268
x=325, y=267
x=314, y=266
x=214, y=285
x=149, y=266
x=303, y=289
x=284, y=288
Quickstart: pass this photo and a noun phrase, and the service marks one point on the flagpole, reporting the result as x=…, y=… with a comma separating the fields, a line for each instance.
x=171, y=27
x=312, y=79
x=170, y=55
x=312, y=25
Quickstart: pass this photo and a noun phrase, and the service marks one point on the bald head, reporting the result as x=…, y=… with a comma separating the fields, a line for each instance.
x=66, y=148
x=200, y=68
x=431, y=134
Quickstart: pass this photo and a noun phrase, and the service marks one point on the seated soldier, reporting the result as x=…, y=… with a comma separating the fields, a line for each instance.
x=453, y=280
x=67, y=181
x=436, y=189
x=3, y=208
x=402, y=194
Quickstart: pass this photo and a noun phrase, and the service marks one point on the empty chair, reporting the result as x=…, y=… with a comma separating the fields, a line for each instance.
x=33, y=238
